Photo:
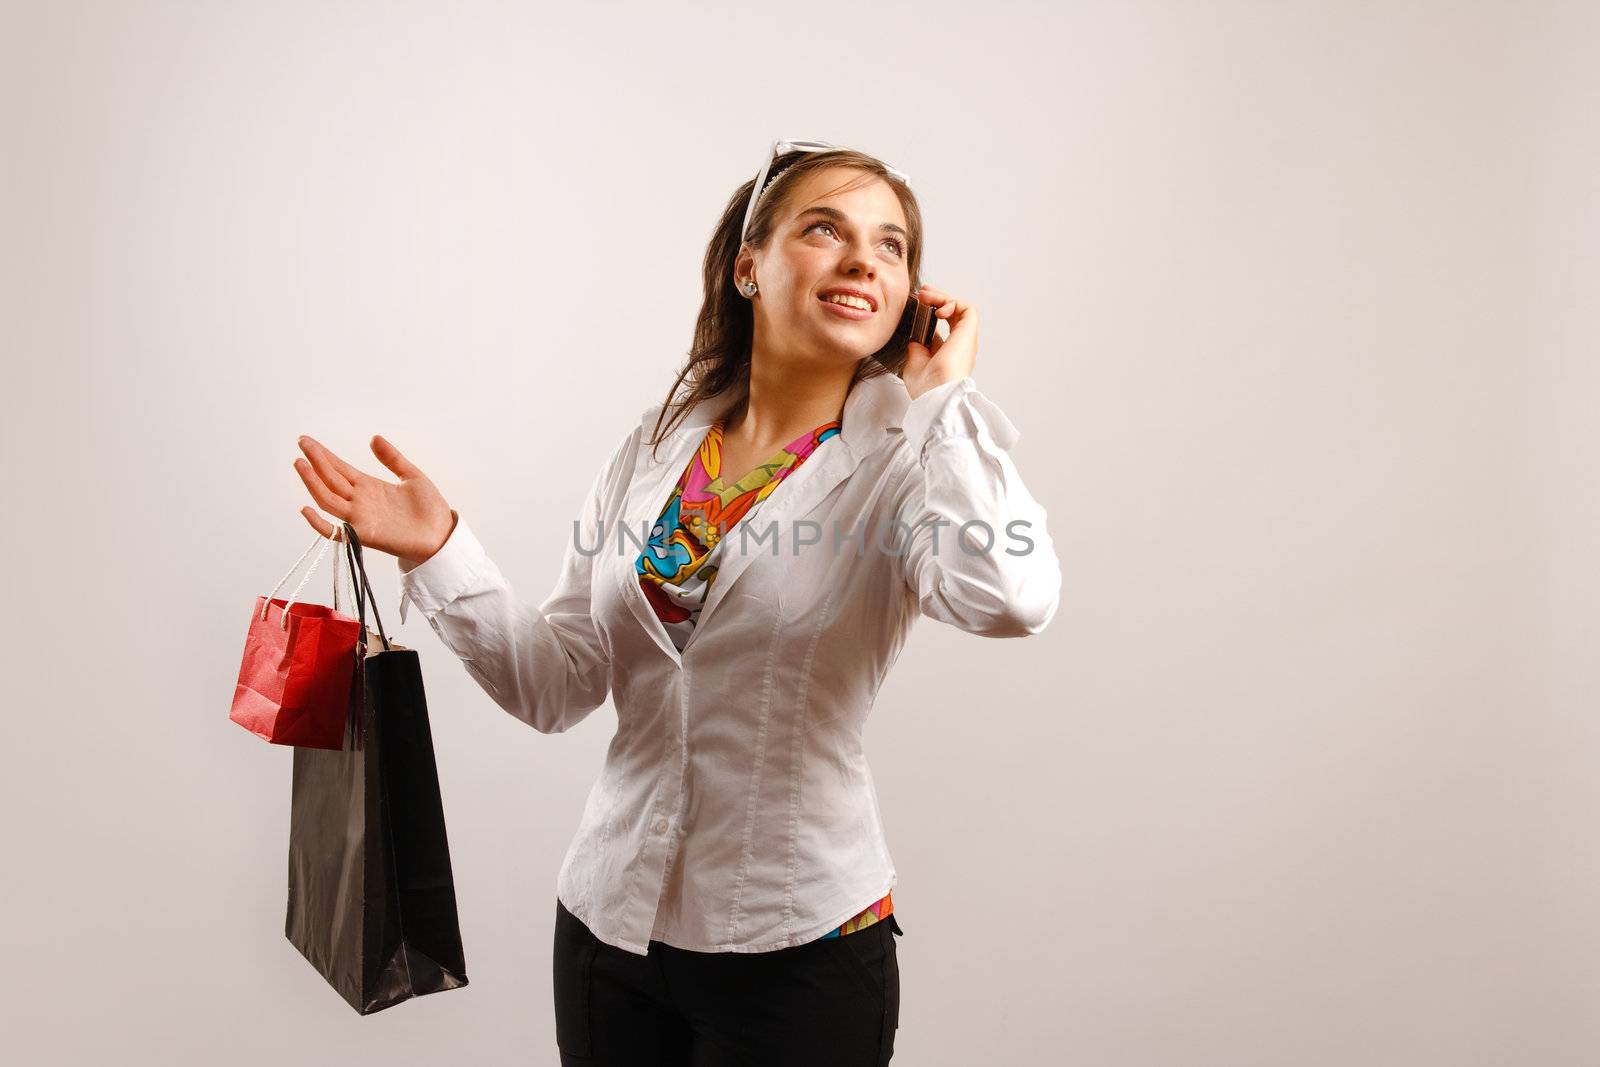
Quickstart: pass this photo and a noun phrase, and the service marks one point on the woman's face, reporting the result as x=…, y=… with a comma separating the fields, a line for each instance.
x=823, y=241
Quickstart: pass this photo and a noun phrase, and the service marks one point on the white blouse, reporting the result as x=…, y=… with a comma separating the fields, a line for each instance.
x=735, y=811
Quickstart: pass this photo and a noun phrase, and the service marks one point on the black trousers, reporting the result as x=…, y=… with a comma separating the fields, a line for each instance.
x=833, y=1001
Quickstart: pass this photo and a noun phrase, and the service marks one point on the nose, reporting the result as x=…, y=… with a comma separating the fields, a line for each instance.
x=858, y=262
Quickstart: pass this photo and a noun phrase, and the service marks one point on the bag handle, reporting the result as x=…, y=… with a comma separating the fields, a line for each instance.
x=325, y=542
x=339, y=567
x=365, y=594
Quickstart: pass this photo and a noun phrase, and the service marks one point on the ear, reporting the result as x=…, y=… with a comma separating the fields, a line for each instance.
x=744, y=265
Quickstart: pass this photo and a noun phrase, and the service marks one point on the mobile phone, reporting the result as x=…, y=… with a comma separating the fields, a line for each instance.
x=918, y=322
x=923, y=322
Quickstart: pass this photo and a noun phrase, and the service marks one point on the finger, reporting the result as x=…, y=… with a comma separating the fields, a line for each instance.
x=336, y=506
x=390, y=457
x=328, y=467
x=946, y=305
x=321, y=525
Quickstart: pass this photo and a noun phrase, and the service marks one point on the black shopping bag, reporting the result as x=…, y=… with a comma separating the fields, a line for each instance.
x=372, y=902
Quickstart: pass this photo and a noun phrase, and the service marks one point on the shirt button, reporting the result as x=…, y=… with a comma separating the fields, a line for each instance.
x=661, y=826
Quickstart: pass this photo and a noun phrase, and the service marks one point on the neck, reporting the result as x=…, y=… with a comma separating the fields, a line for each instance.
x=786, y=399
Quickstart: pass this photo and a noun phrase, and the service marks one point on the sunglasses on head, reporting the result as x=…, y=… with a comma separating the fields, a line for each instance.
x=768, y=172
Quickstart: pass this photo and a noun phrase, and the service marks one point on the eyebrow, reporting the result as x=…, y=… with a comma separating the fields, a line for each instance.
x=838, y=216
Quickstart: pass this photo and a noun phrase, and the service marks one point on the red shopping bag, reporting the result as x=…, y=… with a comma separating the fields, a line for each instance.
x=299, y=664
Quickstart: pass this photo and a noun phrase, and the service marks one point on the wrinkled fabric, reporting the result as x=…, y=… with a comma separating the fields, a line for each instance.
x=679, y=564
x=735, y=810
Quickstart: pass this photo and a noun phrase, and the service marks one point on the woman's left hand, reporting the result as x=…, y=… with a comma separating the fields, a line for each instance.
x=950, y=357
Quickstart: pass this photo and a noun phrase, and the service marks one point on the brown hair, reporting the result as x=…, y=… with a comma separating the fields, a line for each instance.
x=719, y=360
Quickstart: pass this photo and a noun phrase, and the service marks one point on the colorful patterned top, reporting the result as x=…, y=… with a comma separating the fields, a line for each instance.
x=679, y=562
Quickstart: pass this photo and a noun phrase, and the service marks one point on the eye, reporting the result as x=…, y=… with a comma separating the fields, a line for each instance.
x=899, y=246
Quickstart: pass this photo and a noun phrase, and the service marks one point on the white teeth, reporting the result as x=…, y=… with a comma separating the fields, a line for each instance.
x=848, y=301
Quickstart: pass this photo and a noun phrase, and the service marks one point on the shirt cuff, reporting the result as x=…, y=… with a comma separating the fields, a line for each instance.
x=956, y=408
x=443, y=576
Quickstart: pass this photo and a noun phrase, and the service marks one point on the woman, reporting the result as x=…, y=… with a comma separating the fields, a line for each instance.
x=727, y=898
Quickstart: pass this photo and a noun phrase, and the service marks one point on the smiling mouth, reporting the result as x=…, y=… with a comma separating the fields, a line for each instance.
x=846, y=310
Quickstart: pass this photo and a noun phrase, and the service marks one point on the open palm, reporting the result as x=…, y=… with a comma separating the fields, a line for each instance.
x=410, y=520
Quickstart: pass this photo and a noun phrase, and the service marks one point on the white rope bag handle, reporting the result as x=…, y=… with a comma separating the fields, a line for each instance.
x=325, y=542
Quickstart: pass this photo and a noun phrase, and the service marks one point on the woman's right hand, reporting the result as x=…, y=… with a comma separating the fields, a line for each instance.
x=410, y=520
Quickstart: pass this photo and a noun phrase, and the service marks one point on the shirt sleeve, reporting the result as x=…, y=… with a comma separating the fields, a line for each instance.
x=544, y=664
x=1001, y=577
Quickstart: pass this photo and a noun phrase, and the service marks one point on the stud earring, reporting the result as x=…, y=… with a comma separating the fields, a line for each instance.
x=749, y=287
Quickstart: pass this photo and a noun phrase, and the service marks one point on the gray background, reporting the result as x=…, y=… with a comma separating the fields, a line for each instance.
x=1292, y=303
